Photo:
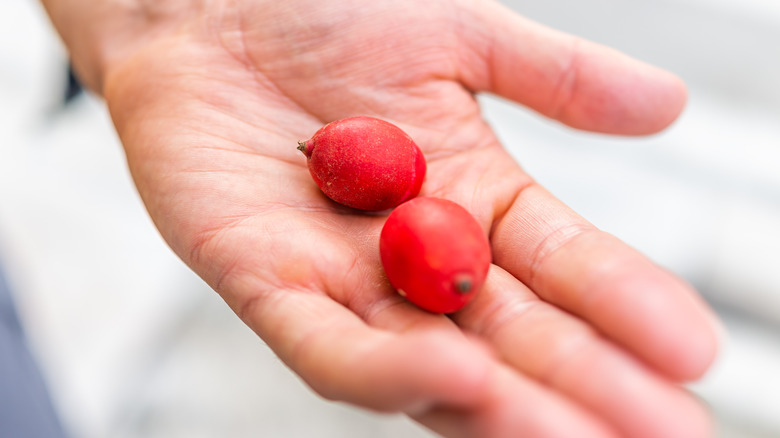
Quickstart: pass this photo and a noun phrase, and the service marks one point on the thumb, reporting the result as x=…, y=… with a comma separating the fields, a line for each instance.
x=577, y=82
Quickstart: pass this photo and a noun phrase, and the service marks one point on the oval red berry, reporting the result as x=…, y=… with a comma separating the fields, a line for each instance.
x=435, y=253
x=365, y=163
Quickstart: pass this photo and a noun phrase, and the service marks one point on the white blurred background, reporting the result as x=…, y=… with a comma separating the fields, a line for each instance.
x=134, y=345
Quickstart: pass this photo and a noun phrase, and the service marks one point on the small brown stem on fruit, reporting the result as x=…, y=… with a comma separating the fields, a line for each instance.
x=463, y=284
x=302, y=147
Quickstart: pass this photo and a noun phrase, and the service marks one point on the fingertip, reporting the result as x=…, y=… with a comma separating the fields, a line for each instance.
x=698, y=355
x=615, y=94
x=684, y=416
x=689, y=343
x=678, y=98
x=669, y=326
x=667, y=96
x=698, y=422
x=582, y=84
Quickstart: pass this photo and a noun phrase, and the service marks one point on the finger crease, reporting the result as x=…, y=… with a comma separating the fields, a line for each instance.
x=564, y=358
x=565, y=90
x=499, y=315
x=552, y=243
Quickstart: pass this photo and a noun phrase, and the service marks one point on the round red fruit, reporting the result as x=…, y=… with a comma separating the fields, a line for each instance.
x=365, y=163
x=434, y=253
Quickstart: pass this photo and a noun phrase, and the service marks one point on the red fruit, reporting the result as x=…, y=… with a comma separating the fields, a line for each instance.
x=434, y=253
x=365, y=163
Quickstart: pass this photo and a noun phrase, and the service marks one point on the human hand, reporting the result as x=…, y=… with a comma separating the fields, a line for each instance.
x=574, y=333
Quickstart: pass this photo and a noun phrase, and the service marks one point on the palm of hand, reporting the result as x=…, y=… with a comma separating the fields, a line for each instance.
x=210, y=118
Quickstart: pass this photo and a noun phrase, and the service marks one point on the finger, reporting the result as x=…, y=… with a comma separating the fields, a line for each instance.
x=344, y=359
x=514, y=406
x=564, y=353
x=486, y=401
x=568, y=262
x=577, y=82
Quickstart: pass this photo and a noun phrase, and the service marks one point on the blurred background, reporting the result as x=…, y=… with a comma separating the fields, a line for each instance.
x=132, y=344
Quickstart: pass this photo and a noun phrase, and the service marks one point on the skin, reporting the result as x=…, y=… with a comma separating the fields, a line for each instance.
x=573, y=330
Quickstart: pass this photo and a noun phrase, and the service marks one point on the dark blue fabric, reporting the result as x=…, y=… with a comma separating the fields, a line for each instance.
x=26, y=410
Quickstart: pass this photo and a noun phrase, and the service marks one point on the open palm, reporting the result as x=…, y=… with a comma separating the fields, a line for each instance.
x=574, y=333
